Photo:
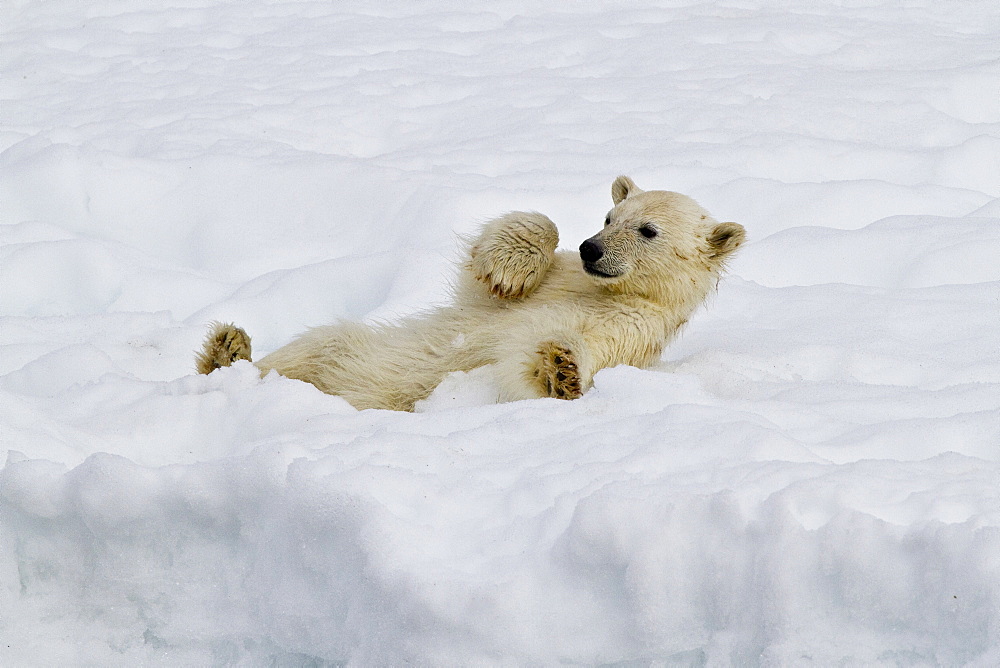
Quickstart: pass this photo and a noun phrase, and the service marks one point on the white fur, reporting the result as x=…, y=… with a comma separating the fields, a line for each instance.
x=545, y=323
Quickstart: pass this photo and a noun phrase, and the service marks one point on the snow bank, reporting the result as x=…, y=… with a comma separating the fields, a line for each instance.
x=810, y=476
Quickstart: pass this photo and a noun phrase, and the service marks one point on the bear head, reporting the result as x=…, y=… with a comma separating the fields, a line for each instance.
x=658, y=244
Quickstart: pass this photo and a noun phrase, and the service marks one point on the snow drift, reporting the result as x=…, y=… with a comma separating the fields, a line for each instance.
x=809, y=477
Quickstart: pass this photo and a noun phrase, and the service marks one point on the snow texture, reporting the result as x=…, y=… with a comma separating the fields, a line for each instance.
x=810, y=477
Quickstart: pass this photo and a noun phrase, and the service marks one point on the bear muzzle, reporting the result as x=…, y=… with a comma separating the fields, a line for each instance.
x=591, y=252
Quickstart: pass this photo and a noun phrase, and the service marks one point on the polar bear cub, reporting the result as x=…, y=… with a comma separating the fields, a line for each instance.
x=547, y=320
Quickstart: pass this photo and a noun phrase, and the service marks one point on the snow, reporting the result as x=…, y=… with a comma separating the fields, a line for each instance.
x=811, y=476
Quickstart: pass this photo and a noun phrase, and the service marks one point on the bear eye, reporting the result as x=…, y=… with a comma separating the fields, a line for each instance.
x=607, y=220
x=648, y=231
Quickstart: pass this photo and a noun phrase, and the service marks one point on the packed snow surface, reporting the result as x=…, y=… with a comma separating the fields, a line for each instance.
x=811, y=476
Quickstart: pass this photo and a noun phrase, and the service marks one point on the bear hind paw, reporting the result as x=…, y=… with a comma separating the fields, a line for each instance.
x=224, y=344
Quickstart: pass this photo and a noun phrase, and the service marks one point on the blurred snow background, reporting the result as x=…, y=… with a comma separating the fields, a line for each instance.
x=810, y=477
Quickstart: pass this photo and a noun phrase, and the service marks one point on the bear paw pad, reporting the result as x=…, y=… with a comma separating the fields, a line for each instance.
x=557, y=374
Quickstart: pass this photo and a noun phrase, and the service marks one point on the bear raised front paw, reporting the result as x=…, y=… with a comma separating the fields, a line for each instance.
x=513, y=253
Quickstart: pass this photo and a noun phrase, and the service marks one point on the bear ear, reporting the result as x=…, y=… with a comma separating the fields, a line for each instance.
x=622, y=188
x=724, y=239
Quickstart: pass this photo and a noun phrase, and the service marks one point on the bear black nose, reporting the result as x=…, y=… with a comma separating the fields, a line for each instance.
x=591, y=251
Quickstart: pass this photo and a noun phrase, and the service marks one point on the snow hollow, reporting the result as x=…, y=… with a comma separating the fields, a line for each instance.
x=810, y=477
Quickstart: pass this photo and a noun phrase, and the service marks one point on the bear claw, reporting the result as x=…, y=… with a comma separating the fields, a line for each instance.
x=503, y=286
